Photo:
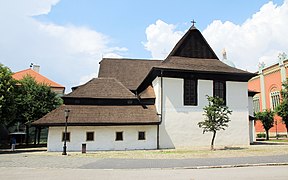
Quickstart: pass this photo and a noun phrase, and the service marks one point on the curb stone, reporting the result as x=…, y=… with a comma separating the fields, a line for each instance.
x=235, y=166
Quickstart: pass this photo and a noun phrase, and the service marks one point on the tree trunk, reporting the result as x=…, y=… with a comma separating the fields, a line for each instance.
x=212, y=142
x=267, y=135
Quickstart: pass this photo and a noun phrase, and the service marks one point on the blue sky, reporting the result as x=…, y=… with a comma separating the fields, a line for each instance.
x=125, y=21
x=68, y=38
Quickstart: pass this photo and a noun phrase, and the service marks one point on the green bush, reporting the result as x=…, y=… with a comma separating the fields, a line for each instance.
x=261, y=135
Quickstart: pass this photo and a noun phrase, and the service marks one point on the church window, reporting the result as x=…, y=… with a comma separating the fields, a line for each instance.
x=89, y=136
x=141, y=135
x=190, y=92
x=256, y=104
x=275, y=99
x=219, y=89
x=67, y=136
x=119, y=136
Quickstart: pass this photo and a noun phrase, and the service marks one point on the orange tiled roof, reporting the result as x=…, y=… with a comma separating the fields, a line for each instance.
x=38, y=77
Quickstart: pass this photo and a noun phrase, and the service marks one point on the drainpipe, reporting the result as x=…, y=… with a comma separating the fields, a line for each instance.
x=161, y=111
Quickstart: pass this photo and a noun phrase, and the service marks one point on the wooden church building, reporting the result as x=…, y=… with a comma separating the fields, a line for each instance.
x=151, y=104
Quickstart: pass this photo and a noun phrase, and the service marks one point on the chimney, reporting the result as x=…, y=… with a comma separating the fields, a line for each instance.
x=36, y=68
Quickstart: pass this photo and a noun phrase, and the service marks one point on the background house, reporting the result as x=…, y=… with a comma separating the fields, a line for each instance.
x=268, y=83
x=19, y=129
x=34, y=72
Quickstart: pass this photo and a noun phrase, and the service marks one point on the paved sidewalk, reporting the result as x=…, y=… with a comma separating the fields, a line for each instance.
x=46, y=160
x=194, y=163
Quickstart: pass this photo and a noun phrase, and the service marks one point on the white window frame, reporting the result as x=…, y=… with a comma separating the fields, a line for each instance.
x=274, y=99
x=256, y=104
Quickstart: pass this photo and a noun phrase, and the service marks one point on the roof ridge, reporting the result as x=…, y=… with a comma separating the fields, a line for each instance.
x=131, y=59
x=97, y=88
x=193, y=34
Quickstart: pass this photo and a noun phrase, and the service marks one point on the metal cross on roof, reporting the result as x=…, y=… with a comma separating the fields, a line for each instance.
x=193, y=22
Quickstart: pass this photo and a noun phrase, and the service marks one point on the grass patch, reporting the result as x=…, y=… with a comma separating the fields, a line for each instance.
x=279, y=140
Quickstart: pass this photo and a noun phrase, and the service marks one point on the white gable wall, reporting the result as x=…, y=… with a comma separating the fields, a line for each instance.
x=252, y=131
x=104, y=138
x=179, y=127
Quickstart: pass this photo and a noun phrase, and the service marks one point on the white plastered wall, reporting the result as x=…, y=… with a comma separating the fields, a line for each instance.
x=252, y=134
x=104, y=138
x=179, y=127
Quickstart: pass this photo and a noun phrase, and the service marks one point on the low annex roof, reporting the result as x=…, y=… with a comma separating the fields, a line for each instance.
x=102, y=88
x=85, y=115
x=130, y=72
x=37, y=76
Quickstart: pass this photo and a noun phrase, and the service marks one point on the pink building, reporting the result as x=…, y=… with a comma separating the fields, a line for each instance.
x=269, y=84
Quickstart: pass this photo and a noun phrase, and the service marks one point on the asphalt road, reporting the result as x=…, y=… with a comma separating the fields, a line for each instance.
x=184, y=163
x=43, y=160
x=41, y=165
x=251, y=173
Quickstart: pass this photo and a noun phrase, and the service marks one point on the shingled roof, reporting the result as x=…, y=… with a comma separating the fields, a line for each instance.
x=130, y=72
x=193, y=45
x=102, y=88
x=192, y=56
x=84, y=115
x=199, y=65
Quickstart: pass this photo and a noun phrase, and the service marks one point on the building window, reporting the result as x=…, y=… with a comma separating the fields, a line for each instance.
x=275, y=99
x=141, y=135
x=190, y=92
x=119, y=136
x=219, y=89
x=89, y=136
x=256, y=104
x=67, y=136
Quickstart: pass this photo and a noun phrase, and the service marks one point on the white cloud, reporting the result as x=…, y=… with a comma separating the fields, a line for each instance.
x=85, y=79
x=161, y=37
x=66, y=53
x=259, y=38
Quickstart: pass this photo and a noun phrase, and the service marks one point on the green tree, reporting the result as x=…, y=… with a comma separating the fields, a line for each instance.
x=282, y=108
x=34, y=101
x=267, y=119
x=216, y=117
x=7, y=96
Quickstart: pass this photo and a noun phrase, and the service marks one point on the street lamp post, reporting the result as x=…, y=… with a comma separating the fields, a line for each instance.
x=65, y=134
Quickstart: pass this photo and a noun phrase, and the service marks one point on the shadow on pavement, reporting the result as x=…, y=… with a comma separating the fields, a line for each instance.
x=232, y=148
x=269, y=143
x=23, y=150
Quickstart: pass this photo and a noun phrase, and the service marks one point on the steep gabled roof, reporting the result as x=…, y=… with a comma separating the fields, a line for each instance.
x=130, y=72
x=193, y=57
x=38, y=77
x=84, y=115
x=193, y=45
x=102, y=88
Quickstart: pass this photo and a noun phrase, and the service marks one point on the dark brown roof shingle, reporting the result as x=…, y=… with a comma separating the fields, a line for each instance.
x=100, y=115
x=193, y=45
x=130, y=72
x=199, y=65
x=102, y=88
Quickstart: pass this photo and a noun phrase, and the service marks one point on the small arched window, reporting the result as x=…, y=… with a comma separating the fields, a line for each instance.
x=274, y=97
